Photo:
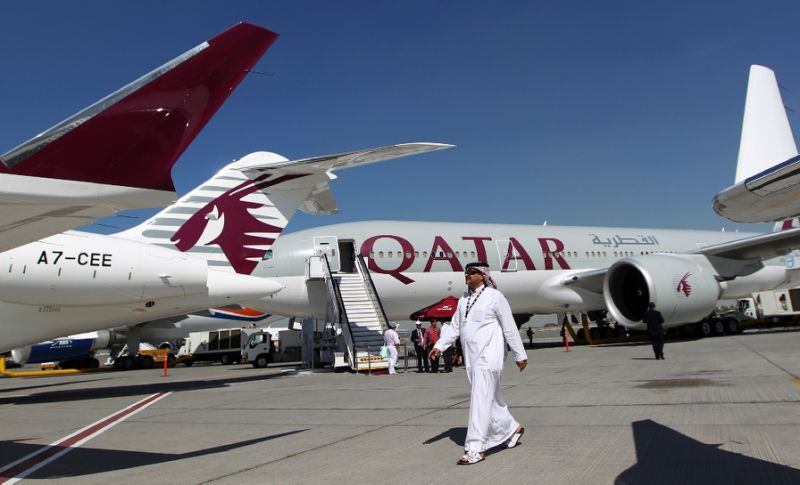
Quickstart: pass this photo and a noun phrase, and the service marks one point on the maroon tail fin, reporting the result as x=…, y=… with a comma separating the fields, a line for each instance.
x=134, y=136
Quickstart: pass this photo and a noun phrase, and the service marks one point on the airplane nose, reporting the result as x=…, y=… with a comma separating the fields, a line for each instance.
x=237, y=287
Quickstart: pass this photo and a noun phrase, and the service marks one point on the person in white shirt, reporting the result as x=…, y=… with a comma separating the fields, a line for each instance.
x=484, y=323
x=392, y=340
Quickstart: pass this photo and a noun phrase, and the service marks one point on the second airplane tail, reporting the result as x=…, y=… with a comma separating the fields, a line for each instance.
x=767, y=138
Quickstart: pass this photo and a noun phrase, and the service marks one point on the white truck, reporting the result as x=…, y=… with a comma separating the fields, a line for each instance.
x=276, y=345
x=224, y=345
x=773, y=305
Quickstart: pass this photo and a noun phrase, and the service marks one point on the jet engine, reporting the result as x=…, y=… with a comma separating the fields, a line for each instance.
x=684, y=288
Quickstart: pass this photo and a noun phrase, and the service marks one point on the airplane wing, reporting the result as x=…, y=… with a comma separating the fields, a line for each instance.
x=321, y=200
x=758, y=248
x=117, y=154
x=765, y=246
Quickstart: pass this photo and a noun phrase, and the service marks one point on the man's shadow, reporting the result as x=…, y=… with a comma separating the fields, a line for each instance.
x=459, y=436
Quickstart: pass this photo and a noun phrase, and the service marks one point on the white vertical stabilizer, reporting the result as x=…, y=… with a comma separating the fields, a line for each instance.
x=767, y=138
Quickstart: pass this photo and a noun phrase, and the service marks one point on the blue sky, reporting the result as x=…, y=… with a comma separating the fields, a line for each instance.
x=578, y=113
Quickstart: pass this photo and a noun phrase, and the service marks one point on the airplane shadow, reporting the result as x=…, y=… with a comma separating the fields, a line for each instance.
x=89, y=461
x=665, y=456
x=134, y=390
x=41, y=386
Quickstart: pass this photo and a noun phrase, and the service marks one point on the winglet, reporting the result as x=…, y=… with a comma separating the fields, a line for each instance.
x=134, y=136
x=767, y=138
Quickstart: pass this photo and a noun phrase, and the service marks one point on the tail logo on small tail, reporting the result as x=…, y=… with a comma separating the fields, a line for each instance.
x=227, y=222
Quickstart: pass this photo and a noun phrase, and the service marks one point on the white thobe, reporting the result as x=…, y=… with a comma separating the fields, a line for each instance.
x=484, y=334
x=392, y=340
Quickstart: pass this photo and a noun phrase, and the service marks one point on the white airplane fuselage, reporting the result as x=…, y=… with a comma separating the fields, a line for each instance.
x=78, y=282
x=414, y=264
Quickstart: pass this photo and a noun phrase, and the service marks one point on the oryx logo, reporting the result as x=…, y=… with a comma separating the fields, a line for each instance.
x=227, y=222
x=684, y=286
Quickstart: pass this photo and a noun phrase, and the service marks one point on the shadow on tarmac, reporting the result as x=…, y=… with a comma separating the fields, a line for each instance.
x=135, y=390
x=57, y=384
x=665, y=456
x=88, y=461
x=456, y=435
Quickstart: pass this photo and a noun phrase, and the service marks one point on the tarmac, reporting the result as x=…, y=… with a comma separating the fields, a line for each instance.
x=717, y=410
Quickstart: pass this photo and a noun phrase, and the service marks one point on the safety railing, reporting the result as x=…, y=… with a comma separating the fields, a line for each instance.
x=336, y=313
x=363, y=270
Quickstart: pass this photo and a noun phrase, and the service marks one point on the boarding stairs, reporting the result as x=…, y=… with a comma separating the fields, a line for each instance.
x=354, y=305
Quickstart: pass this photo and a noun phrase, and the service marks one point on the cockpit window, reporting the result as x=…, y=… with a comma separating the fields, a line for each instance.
x=267, y=255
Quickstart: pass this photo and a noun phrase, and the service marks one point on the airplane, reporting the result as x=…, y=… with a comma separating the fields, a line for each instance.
x=767, y=184
x=540, y=269
x=78, y=350
x=193, y=255
x=115, y=154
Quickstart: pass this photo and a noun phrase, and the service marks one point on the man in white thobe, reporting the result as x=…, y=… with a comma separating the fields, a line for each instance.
x=484, y=323
x=392, y=340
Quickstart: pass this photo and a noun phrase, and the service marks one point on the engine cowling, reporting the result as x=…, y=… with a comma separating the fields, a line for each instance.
x=684, y=288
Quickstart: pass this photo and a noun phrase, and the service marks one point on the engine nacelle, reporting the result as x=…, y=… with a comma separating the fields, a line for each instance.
x=684, y=288
x=20, y=355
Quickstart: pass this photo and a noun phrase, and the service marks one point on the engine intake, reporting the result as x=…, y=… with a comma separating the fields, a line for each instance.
x=684, y=288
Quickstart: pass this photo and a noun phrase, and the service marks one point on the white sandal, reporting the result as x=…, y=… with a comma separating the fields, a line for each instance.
x=514, y=440
x=470, y=458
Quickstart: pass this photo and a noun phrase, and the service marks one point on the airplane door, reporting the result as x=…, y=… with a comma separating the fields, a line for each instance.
x=508, y=257
x=329, y=246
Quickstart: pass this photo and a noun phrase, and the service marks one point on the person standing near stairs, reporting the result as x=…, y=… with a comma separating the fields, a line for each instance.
x=392, y=340
x=431, y=337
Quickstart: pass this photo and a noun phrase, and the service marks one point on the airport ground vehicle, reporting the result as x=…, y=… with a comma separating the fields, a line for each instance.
x=275, y=345
x=224, y=346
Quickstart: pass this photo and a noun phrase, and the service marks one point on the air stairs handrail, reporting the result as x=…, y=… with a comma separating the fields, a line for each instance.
x=339, y=311
x=373, y=292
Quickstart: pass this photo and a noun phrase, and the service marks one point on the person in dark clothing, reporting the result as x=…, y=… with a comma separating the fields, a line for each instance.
x=530, y=335
x=655, y=322
x=418, y=338
x=447, y=355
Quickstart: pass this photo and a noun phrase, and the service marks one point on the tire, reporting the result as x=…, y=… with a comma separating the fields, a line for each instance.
x=731, y=326
x=594, y=332
x=261, y=361
x=718, y=326
x=188, y=362
x=581, y=335
x=226, y=359
x=92, y=363
x=127, y=363
x=171, y=360
x=146, y=361
x=705, y=328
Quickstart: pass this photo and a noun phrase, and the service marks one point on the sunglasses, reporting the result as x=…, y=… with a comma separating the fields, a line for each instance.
x=471, y=272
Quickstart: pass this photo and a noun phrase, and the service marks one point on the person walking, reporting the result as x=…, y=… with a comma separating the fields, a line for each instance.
x=431, y=337
x=485, y=325
x=392, y=340
x=655, y=327
x=418, y=339
x=530, y=336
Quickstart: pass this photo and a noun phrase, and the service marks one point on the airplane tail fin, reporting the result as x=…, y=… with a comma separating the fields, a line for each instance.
x=132, y=137
x=767, y=138
x=232, y=219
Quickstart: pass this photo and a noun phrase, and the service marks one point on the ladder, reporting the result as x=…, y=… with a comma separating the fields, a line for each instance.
x=356, y=308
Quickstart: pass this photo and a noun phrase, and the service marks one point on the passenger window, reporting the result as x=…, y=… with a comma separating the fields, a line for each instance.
x=372, y=254
x=408, y=254
x=380, y=254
